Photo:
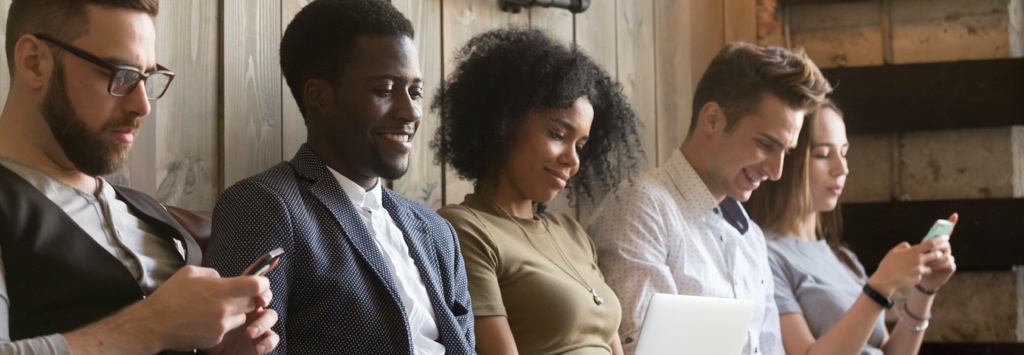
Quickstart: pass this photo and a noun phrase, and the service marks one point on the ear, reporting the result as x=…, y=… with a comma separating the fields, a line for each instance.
x=318, y=95
x=711, y=118
x=33, y=62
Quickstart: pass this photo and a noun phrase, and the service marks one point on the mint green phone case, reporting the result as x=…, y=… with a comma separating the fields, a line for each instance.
x=941, y=227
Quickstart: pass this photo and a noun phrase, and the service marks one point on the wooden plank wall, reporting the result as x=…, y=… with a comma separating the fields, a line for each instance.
x=230, y=114
x=935, y=165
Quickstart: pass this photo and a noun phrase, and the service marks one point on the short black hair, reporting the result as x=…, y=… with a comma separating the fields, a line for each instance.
x=319, y=41
x=505, y=74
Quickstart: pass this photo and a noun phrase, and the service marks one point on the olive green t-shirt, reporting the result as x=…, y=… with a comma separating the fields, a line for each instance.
x=548, y=311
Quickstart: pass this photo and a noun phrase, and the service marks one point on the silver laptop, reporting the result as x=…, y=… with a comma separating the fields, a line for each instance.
x=691, y=325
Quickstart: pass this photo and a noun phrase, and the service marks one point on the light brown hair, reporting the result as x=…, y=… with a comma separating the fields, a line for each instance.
x=741, y=73
x=65, y=20
x=776, y=205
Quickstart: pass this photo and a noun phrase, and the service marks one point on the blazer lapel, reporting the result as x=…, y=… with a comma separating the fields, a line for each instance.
x=327, y=190
x=421, y=249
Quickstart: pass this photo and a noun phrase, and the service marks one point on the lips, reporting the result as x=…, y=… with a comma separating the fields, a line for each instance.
x=836, y=190
x=561, y=178
x=124, y=134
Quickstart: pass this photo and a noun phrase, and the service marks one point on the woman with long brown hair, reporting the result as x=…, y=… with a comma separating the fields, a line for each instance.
x=827, y=304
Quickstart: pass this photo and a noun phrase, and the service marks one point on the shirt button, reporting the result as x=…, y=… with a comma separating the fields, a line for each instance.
x=755, y=350
x=715, y=210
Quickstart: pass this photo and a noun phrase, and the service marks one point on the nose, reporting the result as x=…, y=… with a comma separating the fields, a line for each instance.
x=840, y=167
x=773, y=166
x=408, y=109
x=570, y=158
x=136, y=102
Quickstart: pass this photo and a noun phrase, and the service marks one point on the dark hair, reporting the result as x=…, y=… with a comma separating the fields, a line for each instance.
x=319, y=41
x=504, y=75
x=65, y=20
x=776, y=205
x=742, y=73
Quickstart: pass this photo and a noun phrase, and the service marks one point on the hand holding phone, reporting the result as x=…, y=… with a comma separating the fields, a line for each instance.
x=264, y=264
x=941, y=227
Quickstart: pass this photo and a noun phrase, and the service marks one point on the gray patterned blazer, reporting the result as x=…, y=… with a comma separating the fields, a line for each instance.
x=332, y=288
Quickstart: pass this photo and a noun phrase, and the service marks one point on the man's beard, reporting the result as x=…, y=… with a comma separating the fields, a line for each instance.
x=87, y=150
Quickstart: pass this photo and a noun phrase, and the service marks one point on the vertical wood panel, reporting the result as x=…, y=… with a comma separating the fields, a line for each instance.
x=5, y=76
x=252, y=87
x=740, y=18
x=557, y=22
x=635, y=38
x=464, y=19
x=187, y=156
x=675, y=78
x=423, y=180
x=293, y=128
x=706, y=35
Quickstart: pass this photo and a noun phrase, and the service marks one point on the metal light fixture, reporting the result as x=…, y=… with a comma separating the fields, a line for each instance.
x=516, y=6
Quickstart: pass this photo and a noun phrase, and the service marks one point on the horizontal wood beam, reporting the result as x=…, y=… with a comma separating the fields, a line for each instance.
x=932, y=96
x=989, y=235
x=972, y=348
x=800, y=2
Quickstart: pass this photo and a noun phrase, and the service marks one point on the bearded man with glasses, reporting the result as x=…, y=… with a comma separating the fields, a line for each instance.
x=89, y=267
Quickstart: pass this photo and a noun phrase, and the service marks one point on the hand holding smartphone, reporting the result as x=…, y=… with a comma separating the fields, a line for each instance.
x=941, y=227
x=264, y=264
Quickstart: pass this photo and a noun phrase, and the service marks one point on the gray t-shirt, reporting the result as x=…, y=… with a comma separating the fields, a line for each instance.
x=810, y=279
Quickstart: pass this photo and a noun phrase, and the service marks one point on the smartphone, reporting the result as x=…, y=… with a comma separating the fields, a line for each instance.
x=264, y=264
x=941, y=227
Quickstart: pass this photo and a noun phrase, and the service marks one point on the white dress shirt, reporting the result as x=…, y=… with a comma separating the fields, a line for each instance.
x=391, y=243
x=666, y=233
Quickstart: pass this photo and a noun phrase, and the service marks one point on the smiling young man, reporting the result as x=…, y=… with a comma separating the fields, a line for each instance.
x=89, y=267
x=680, y=229
x=365, y=271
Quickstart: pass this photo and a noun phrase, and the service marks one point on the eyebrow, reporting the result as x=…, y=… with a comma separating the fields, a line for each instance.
x=561, y=121
x=396, y=78
x=118, y=61
x=774, y=140
x=827, y=144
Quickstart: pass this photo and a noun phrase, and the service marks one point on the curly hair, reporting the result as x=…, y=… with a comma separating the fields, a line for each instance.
x=506, y=74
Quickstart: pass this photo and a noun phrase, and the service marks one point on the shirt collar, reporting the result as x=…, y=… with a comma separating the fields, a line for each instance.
x=364, y=199
x=699, y=199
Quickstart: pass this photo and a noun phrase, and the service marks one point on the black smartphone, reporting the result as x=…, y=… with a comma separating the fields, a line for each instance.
x=264, y=264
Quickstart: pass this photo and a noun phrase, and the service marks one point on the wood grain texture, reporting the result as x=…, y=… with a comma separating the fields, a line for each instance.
x=557, y=22
x=946, y=30
x=464, y=19
x=423, y=180
x=187, y=157
x=293, y=127
x=252, y=88
x=839, y=35
x=740, y=20
x=636, y=67
x=675, y=82
x=707, y=36
x=5, y=76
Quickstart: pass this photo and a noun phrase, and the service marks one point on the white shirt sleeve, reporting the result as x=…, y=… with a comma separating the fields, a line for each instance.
x=771, y=330
x=54, y=344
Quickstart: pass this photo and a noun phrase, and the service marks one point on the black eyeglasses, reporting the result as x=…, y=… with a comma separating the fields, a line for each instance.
x=123, y=79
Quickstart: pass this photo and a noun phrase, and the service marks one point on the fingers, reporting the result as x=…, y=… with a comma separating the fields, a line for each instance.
x=263, y=299
x=265, y=319
x=954, y=217
x=266, y=343
x=247, y=286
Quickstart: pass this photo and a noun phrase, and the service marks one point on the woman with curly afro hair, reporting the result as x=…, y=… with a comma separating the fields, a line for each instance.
x=523, y=117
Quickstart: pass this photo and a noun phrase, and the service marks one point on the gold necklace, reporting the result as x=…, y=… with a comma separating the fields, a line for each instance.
x=575, y=275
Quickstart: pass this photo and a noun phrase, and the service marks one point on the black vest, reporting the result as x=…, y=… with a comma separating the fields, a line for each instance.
x=58, y=278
